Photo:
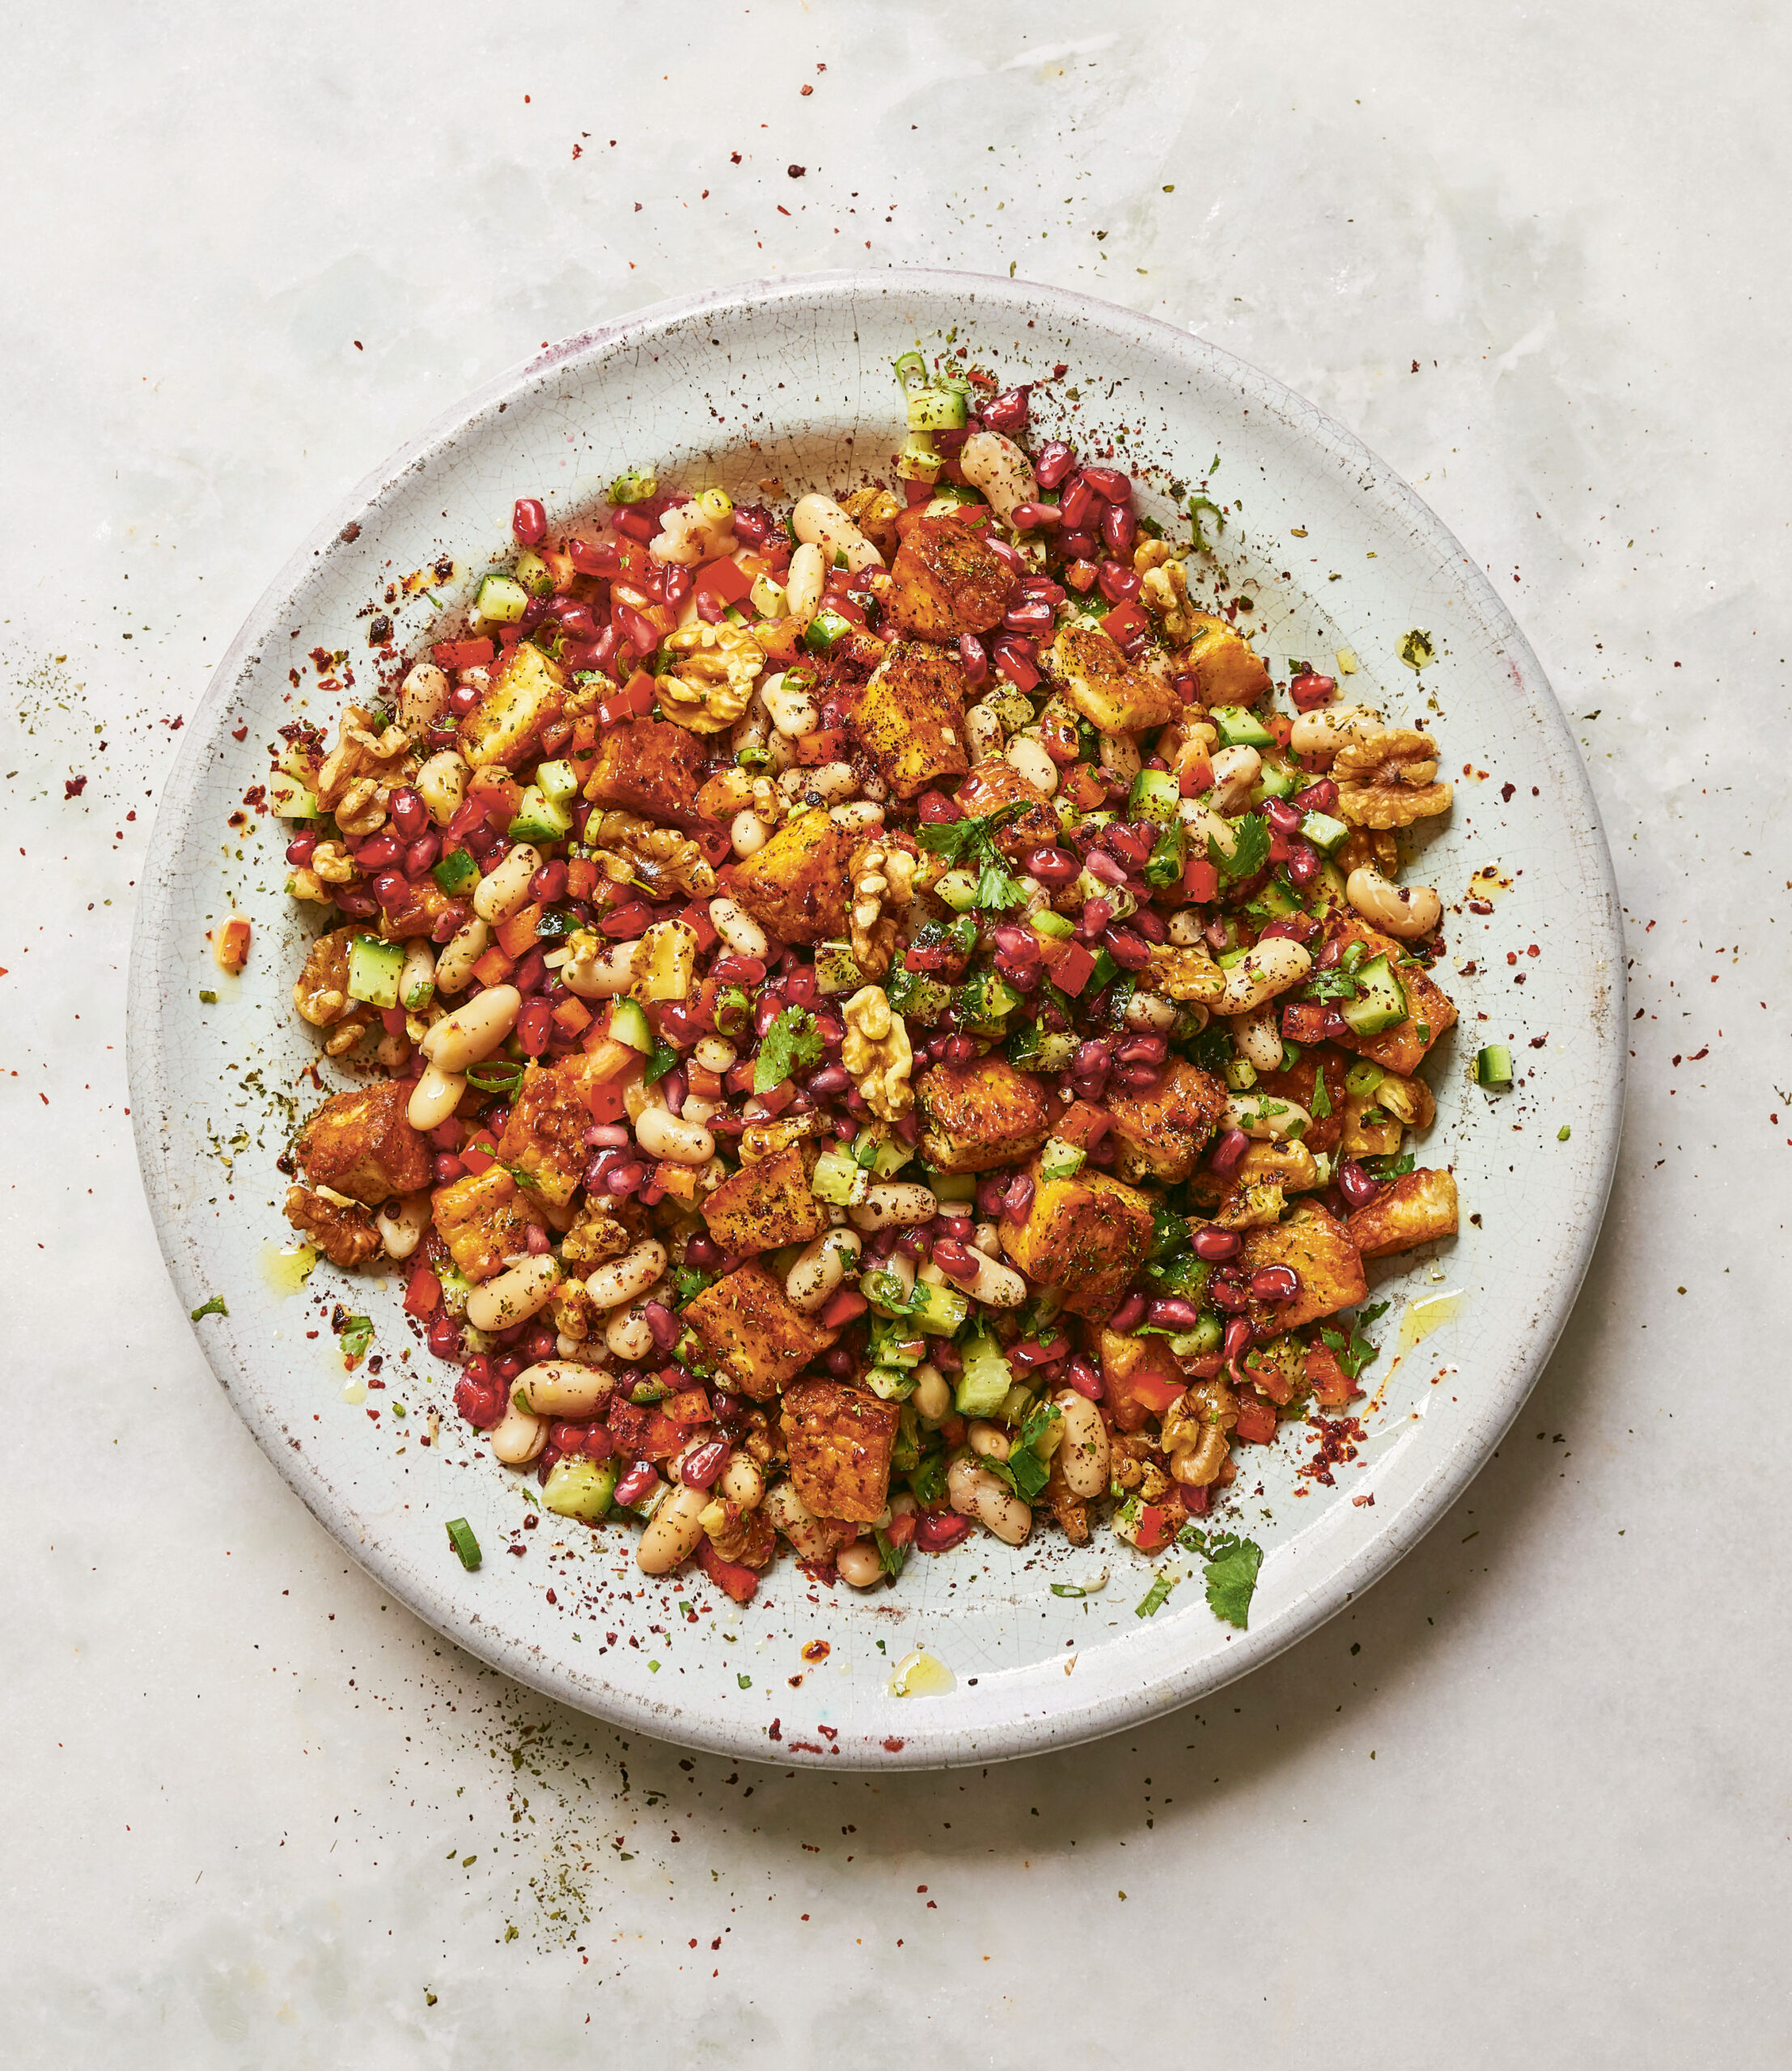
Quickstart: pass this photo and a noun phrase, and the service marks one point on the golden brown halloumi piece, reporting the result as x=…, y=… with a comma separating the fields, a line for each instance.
x=995, y=782
x=1430, y=1010
x=651, y=767
x=796, y=885
x=1225, y=669
x=756, y=1335
x=526, y=692
x=1416, y=1208
x=1319, y=1249
x=909, y=716
x=979, y=1114
x=1164, y=1129
x=764, y=1205
x=483, y=1219
x=1111, y=693
x=546, y=1134
x=840, y=1439
x=948, y=580
x=1086, y=1236
x=362, y=1143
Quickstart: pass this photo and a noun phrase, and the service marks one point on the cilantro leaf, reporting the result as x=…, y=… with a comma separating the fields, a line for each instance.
x=792, y=1040
x=927, y=1482
x=1333, y=985
x=956, y=840
x=891, y=1558
x=1231, y=1572
x=214, y=1308
x=1155, y=1597
x=1354, y=1351
x=1322, y=1100
x=1166, y=864
x=688, y=1283
x=1251, y=850
x=995, y=889
x=353, y=1338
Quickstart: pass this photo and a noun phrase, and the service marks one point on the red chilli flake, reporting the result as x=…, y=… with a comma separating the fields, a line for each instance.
x=75, y=787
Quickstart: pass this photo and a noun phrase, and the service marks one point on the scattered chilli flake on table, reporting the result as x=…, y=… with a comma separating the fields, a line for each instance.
x=875, y=1025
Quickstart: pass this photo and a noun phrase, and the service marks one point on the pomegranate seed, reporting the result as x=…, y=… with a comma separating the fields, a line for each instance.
x=973, y=658
x=1084, y=1377
x=1356, y=1185
x=1308, y=691
x=702, y=1468
x=448, y=1168
x=1078, y=506
x=463, y=700
x=1226, y=1154
x=635, y=1484
x=1054, y=461
x=1109, y=483
x=1275, y=1283
x=1216, y=1246
x=549, y=883
x=1119, y=583
x=1173, y=1312
x=577, y=621
x=529, y=522
x=534, y=1026
x=422, y=855
x=1052, y=867
x=1013, y=556
x=933, y=807
x=954, y=1259
x=1030, y=517
x=378, y=853
x=937, y=1529
x=445, y=1337
x=1303, y=862
x=1007, y=414
x=1119, y=528
x=301, y=849
x=1322, y=797
x=1237, y=1341
x=391, y=888
x=1129, y=1315
x=409, y=814
x=1284, y=817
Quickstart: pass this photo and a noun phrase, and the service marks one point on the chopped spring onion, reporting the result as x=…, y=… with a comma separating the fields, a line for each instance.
x=495, y=1075
x=633, y=487
x=461, y=1538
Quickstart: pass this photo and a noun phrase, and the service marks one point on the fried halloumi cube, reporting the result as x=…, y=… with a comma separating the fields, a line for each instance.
x=525, y=694
x=796, y=885
x=1163, y=1129
x=994, y=783
x=649, y=766
x=1226, y=670
x=1111, y=693
x=948, y=580
x=754, y=1332
x=1324, y=1063
x=362, y=1143
x=840, y=1439
x=909, y=718
x=1319, y=1249
x=1086, y=1236
x=1416, y=1208
x=545, y=1137
x=766, y=1205
x=483, y=1219
x=1430, y=1011
x=980, y=1114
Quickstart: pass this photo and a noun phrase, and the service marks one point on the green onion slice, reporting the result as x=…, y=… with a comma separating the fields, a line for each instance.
x=495, y=1075
x=460, y=1538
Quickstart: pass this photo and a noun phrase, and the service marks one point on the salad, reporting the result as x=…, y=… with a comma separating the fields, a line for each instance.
x=873, y=1020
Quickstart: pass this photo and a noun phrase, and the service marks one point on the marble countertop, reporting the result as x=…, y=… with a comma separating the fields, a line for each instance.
x=1529, y=1798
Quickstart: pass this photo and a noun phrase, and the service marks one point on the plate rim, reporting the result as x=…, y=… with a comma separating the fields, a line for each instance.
x=1014, y=1736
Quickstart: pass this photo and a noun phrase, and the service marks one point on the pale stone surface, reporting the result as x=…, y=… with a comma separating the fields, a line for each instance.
x=233, y=1808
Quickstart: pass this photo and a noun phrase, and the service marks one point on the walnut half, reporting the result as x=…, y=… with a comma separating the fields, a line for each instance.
x=1385, y=776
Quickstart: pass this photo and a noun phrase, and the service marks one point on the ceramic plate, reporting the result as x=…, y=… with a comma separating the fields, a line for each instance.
x=792, y=378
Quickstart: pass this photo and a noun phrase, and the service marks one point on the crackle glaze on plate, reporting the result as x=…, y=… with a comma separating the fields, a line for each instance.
x=792, y=378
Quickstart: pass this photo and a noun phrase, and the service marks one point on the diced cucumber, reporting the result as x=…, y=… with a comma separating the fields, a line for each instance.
x=1059, y=1160
x=541, y=819
x=1493, y=1068
x=950, y=1186
x=1326, y=894
x=1239, y=728
x=1363, y=1077
x=1380, y=1000
x=1275, y=783
x=892, y=1382
x=985, y=1379
x=1155, y=796
x=1277, y=900
x=501, y=601
x=1326, y=834
x=1055, y=927
x=937, y=1311
x=1241, y=1074
x=1204, y=1338
x=456, y=873
x=878, y=1152
x=985, y=1000
x=533, y=573
x=958, y=888
x=838, y=1178
x=836, y=968
x=629, y=1024
x=580, y=1489
x=937, y=409
x=557, y=780
x=918, y=462
x=417, y=977
x=1055, y=1052
x=374, y=966
x=288, y=799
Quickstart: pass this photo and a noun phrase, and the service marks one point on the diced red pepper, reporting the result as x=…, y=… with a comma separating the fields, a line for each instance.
x=724, y=581
x=1155, y=1391
x=572, y=1017
x=729, y=1576
x=1256, y=1421
x=1279, y=724
x=478, y=1156
x=696, y=916
x=639, y=691
x=1125, y=622
x=581, y=878
x=1072, y=968
x=595, y=556
x=517, y=935
x=1154, y=1527
x=495, y=967
x=1311, y=1021
x=423, y=1297
x=453, y=655
x=1200, y=883
x=1082, y=786
x=1084, y=1124
x=901, y=1528
x=848, y=1303
x=689, y=1406
x=1331, y=1387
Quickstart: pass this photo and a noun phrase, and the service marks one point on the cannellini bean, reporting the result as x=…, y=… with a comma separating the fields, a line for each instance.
x=672, y=1532
x=562, y=1387
x=901, y=1202
x=793, y=712
x=1265, y=1115
x=1258, y=1036
x=742, y=934
x=818, y=521
x=599, y=970
x=984, y=726
x=514, y=1295
x=455, y=965
x=987, y=1238
x=712, y=1053
x=517, y=1437
x=1150, y=1010
x=861, y=813
x=622, y=1280
x=1404, y=910
x=662, y=1134
x=996, y=465
x=471, y=1032
x=1236, y=770
x=1027, y=754
x=442, y=786
x=987, y=1441
x=1265, y=969
x=1185, y=928
x=1317, y=732
x=1120, y=755
x=1205, y=825
x=831, y=782
x=627, y=1334
x=996, y=1285
x=425, y=692
x=507, y=890
x=402, y=1233
x=417, y=976
x=932, y=1397
x=1083, y=1448
x=803, y=582
x=859, y=1565
x=974, y=1492
x=741, y=1482
x=819, y=1268
x=433, y=1098
x=747, y=833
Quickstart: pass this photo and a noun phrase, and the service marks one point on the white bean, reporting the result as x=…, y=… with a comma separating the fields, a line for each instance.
x=622, y=1280
x=1150, y=1010
x=818, y=521
x=662, y=1134
x=517, y=1437
x=793, y=712
x=1027, y=755
x=507, y=890
x=402, y=1233
x=741, y=1482
x=987, y=1441
x=1084, y=1455
x=455, y=965
x=1265, y=969
x=973, y=1491
x=562, y=1387
x=712, y=1053
x=1236, y=771
x=933, y=1398
x=627, y=1334
x=747, y=833
x=598, y=970
x=514, y=1295
x=803, y=583
x=831, y=782
x=819, y=1268
x=417, y=976
x=982, y=723
x=1258, y=1036
x=1185, y=928
x=996, y=1285
x=425, y=693
x=859, y=1565
x=996, y=465
x=861, y=813
x=672, y=1531
x=433, y=1098
x=471, y=1032
x=1404, y=910
x=1120, y=755
x=1263, y=1115
x=900, y=1203
x=1320, y=732
x=442, y=786
x=742, y=934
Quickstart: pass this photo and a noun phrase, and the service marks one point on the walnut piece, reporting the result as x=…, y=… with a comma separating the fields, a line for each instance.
x=1186, y=974
x=633, y=850
x=711, y=681
x=321, y=993
x=1164, y=593
x=342, y=1231
x=883, y=875
x=1385, y=778
x=877, y=1053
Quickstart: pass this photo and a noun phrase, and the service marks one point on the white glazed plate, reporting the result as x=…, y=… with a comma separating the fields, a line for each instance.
x=801, y=369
